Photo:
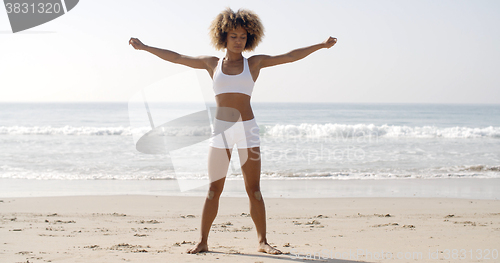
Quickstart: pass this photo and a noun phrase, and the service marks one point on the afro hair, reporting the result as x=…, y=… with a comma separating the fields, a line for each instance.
x=228, y=20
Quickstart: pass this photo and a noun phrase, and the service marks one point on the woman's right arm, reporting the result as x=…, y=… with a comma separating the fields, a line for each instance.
x=201, y=62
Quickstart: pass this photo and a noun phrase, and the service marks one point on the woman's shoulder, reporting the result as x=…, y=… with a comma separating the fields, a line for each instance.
x=255, y=60
x=257, y=57
x=212, y=61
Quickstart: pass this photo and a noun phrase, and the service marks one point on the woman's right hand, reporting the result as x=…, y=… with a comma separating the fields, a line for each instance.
x=136, y=43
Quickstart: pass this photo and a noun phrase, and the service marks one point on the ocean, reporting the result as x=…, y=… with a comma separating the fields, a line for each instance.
x=299, y=142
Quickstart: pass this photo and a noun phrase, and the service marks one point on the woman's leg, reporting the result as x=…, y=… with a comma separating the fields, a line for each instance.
x=218, y=162
x=251, y=173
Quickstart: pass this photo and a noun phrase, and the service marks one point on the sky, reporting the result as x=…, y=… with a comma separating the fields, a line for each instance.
x=401, y=51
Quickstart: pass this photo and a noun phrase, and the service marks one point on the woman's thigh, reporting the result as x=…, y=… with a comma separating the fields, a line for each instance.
x=218, y=163
x=250, y=166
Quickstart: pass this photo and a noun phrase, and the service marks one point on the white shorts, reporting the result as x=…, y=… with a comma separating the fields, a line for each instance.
x=225, y=134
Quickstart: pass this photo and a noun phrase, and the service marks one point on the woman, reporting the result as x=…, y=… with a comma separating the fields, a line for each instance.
x=233, y=80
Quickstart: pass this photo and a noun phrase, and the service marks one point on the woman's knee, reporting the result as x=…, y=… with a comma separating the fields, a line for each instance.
x=254, y=193
x=213, y=194
x=215, y=190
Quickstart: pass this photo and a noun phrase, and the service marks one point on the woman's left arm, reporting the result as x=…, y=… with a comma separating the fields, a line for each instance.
x=294, y=55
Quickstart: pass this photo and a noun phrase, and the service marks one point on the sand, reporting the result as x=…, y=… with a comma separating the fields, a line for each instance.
x=162, y=228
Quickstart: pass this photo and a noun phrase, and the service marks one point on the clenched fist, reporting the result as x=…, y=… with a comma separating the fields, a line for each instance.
x=329, y=42
x=136, y=43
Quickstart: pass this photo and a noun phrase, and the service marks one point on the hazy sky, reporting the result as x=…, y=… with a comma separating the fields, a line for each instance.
x=388, y=51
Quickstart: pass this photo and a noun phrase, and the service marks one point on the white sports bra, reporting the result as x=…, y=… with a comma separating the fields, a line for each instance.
x=241, y=83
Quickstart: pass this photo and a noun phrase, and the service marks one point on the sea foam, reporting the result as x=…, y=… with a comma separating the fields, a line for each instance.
x=332, y=130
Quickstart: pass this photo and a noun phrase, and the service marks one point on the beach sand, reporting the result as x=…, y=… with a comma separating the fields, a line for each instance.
x=161, y=229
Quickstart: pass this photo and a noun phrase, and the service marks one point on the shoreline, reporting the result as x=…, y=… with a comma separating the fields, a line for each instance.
x=469, y=188
x=134, y=228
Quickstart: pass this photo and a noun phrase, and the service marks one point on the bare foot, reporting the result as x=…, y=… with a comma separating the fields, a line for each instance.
x=200, y=247
x=266, y=248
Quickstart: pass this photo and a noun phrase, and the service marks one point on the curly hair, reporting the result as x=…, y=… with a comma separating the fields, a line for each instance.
x=228, y=20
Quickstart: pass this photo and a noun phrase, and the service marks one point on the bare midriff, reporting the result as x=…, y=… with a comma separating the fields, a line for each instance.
x=231, y=105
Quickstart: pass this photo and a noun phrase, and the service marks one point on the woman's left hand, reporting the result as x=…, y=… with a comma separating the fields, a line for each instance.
x=329, y=42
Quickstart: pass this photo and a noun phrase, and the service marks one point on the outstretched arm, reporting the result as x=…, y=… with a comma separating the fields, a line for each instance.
x=294, y=55
x=202, y=62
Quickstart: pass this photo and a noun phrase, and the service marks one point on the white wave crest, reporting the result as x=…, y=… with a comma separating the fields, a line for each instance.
x=66, y=130
x=329, y=130
x=101, y=131
x=371, y=130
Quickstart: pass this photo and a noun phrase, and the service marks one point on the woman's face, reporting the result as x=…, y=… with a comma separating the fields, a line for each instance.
x=236, y=40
